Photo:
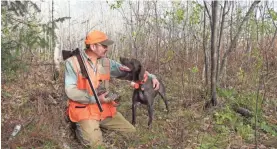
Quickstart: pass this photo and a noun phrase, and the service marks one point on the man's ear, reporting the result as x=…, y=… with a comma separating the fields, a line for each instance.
x=92, y=46
x=141, y=73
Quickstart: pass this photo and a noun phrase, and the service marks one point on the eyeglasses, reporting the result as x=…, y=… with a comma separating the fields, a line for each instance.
x=104, y=46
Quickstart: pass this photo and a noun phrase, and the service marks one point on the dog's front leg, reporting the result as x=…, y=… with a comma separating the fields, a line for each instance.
x=134, y=110
x=134, y=106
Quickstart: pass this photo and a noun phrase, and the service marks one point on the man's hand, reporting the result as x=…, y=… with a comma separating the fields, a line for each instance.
x=103, y=98
x=124, y=68
x=111, y=97
x=156, y=84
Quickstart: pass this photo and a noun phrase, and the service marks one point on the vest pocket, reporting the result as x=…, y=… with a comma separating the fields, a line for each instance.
x=80, y=106
x=78, y=112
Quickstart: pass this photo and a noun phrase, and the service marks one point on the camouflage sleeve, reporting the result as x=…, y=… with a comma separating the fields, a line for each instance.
x=151, y=76
x=117, y=73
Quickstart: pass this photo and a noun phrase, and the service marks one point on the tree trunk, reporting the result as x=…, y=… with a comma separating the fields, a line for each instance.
x=220, y=37
x=186, y=32
x=157, y=36
x=132, y=47
x=56, y=60
x=55, y=48
x=213, y=51
x=69, y=25
x=206, y=63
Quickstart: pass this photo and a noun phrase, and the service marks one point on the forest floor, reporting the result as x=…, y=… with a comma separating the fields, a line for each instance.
x=38, y=104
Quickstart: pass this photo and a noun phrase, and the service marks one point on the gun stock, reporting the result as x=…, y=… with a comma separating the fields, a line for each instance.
x=66, y=54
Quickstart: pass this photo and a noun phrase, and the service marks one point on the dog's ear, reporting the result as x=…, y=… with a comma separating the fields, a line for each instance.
x=121, y=59
x=141, y=73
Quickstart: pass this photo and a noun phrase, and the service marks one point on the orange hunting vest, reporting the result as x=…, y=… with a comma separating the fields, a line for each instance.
x=78, y=111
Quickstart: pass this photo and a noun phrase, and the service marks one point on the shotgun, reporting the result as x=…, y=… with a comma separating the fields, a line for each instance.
x=80, y=56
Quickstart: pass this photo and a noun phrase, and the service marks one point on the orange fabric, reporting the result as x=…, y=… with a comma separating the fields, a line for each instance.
x=78, y=111
x=82, y=82
x=95, y=37
x=138, y=83
x=135, y=85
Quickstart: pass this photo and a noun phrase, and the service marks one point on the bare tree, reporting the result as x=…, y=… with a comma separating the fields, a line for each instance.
x=206, y=62
x=224, y=13
x=157, y=36
x=55, y=48
x=213, y=51
x=234, y=40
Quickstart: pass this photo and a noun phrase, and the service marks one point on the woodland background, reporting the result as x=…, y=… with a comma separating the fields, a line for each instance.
x=218, y=60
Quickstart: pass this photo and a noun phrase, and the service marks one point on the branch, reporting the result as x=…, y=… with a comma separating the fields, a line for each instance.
x=273, y=39
x=228, y=9
x=23, y=22
x=219, y=40
x=271, y=17
x=234, y=40
x=206, y=8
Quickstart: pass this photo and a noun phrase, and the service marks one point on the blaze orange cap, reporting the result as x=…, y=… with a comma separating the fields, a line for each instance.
x=98, y=37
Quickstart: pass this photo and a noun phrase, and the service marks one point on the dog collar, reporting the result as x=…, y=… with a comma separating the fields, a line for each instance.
x=137, y=84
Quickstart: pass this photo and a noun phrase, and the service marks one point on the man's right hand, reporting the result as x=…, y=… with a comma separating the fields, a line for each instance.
x=104, y=99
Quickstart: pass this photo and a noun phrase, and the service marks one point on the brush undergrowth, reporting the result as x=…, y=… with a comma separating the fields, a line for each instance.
x=39, y=104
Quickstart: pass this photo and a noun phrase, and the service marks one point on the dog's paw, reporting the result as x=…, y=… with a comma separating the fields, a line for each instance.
x=150, y=128
x=134, y=124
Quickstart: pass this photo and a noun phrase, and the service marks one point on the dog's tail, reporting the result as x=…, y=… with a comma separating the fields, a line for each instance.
x=162, y=94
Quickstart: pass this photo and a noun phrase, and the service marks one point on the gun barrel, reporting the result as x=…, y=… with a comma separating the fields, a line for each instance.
x=90, y=83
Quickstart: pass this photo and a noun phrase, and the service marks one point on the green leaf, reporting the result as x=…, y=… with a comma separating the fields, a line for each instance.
x=134, y=33
x=273, y=14
x=195, y=17
x=117, y=5
x=6, y=94
x=180, y=15
x=194, y=69
x=267, y=128
x=168, y=56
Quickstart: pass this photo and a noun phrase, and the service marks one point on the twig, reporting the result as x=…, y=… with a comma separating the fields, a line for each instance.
x=271, y=17
x=214, y=144
x=207, y=10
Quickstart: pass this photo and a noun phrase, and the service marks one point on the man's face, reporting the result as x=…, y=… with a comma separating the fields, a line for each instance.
x=99, y=49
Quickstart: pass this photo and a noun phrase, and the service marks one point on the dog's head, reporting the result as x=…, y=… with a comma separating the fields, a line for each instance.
x=135, y=66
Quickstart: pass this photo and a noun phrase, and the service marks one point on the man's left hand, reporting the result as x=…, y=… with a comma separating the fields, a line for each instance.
x=156, y=84
x=124, y=68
